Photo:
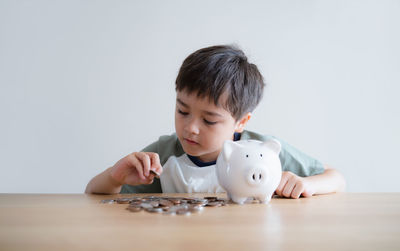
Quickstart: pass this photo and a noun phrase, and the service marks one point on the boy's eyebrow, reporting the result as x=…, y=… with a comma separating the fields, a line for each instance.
x=206, y=112
x=181, y=102
x=212, y=113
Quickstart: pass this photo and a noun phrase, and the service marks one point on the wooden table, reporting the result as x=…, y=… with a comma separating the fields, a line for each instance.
x=346, y=221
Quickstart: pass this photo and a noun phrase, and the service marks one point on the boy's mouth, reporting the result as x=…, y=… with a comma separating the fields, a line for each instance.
x=191, y=142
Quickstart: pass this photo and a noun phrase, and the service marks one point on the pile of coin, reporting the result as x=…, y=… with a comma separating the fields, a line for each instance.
x=168, y=205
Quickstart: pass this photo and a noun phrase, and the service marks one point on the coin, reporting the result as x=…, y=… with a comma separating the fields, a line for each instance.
x=156, y=175
x=196, y=208
x=211, y=198
x=108, y=201
x=154, y=210
x=123, y=200
x=146, y=205
x=154, y=203
x=168, y=205
x=214, y=204
x=175, y=201
x=183, y=212
x=135, y=203
x=134, y=208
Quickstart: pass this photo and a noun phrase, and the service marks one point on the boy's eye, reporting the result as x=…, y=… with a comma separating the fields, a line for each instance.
x=209, y=122
x=183, y=113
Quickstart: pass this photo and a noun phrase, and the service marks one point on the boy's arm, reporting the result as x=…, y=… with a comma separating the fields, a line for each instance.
x=134, y=169
x=293, y=186
x=103, y=183
x=330, y=181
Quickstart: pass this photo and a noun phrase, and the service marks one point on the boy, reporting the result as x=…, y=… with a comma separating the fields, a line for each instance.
x=217, y=89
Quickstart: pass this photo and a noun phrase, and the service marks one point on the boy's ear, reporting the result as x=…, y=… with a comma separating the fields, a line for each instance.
x=242, y=122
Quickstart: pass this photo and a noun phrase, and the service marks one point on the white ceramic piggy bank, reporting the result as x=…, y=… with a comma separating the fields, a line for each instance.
x=249, y=168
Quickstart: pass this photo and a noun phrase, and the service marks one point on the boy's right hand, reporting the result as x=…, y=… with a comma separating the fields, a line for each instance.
x=134, y=169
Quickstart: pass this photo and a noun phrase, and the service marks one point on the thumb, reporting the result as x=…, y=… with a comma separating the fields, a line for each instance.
x=308, y=192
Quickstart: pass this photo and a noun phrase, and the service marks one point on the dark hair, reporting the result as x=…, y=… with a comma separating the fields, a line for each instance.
x=211, y=71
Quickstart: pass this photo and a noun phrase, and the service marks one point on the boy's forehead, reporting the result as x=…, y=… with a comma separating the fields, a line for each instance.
x=186, y=98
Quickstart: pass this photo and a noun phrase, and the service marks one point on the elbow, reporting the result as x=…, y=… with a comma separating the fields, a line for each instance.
x=340, y=180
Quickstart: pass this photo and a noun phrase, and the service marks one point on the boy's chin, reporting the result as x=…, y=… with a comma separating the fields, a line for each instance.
x=191, y=152
x=195, y=151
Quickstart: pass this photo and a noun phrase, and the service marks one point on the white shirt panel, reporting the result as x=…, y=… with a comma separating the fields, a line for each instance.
x=181, y=175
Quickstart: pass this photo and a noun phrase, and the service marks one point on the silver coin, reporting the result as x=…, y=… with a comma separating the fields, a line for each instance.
x=135, y=203
x=196, y=208
x=154, y=203
x=108, y=201
x=183, y=212
x=199, y=201
x=123, y=200
x=170, y=205
x=134, y=208
x=214, y=204
x=154, y=210
x=156, y=175
x=146, y=205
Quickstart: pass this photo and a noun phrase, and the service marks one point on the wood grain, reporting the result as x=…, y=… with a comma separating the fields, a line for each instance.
x=344, y=221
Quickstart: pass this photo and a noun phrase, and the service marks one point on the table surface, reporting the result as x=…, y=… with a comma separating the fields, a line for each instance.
x=343, y=221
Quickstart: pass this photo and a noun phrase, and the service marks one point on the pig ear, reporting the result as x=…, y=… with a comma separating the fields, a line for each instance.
x=229, y=145
x=274, y=145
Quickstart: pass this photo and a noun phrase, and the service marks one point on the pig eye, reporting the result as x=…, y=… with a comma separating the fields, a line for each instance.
x=261, y=155
x=247, y=155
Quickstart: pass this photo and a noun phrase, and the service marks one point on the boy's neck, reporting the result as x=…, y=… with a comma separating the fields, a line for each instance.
x=200, y=163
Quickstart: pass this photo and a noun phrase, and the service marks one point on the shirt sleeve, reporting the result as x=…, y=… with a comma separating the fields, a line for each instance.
x=297, y=162
x=292, y=159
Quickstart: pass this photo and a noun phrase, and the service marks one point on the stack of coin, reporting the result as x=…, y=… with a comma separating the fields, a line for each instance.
x=168, y=205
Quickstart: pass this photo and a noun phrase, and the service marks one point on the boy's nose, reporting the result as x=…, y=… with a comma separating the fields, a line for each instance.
x=192, y=127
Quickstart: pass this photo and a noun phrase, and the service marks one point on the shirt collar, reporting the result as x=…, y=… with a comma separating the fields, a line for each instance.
x=200, y=163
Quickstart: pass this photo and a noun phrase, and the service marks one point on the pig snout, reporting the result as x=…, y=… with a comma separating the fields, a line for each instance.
x=256, y=176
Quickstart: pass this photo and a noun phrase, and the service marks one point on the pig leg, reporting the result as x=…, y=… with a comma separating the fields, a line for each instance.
x=237, y=199
x=228, y=195
x=265, y=199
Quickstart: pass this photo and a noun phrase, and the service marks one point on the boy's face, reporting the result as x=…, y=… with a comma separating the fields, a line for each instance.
x=202, y=127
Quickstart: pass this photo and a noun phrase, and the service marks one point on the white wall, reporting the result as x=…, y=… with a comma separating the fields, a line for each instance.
x=83, y=83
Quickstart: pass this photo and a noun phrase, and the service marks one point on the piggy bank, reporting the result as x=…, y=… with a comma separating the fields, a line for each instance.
x=249, y=168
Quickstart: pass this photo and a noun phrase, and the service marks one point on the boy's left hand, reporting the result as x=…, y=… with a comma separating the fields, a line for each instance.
x=292, y=186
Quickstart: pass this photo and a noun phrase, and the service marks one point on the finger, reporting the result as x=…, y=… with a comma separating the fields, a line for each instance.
x=149, y=180
x=155, y=163
x=146, y=163
x=138, y=165
x=282, y=184
x=297, y=190
x=289, y=187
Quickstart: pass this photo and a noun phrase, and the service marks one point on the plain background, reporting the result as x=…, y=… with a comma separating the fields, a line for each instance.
x=84, y=83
